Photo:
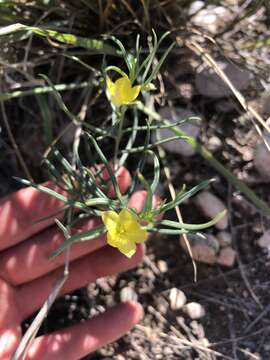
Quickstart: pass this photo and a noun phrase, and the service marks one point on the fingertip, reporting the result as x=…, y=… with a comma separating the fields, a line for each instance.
x=135, y=311
x=137, y=200
x=123, y=179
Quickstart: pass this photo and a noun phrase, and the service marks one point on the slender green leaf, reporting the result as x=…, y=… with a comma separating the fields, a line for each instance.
x=179, y=225
x=107, y=166
x=42, y=90
x=184, y=195
x=85, y=236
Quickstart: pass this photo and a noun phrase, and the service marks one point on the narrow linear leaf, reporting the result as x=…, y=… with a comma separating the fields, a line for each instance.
x=97, y=46
x=42, y=90
x=149, y=197
x=183, y=196
x=52, y=193
x=85, y=236
x=107, y=166
x=206, y=225
x=167, y=231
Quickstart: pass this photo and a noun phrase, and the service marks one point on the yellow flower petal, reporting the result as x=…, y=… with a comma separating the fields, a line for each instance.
x=110, y=219
x=134, y=93
x=111, y=240
x=110, y=86
x=123, y=243
x=123, y=231
x=138, y=236
x=127, y=218
x=127, y=247
x=132, y=226
x=121, y=92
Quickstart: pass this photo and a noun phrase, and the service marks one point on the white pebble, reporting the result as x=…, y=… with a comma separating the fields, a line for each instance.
x=128, y=294
x=177, y=299
x=194, y=310
x=212, y=18
x=214, y=143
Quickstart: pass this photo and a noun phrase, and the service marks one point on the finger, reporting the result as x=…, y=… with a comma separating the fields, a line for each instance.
x=9, y=340
x=77, y=341
x=10, y=331
x=21, y=211
x=123, y=177
x=137, y=200
x=83, y=271
x=32, y=258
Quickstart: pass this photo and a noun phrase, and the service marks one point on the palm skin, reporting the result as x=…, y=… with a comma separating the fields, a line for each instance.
x=27, y=276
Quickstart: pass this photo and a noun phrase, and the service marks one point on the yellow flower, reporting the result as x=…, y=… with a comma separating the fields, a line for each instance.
x=124, y=231
x=121, y=91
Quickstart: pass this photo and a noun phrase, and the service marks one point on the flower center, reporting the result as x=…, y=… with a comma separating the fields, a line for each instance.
x=121, y=230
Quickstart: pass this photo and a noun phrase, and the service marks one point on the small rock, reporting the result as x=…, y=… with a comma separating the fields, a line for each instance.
x=264, y=240
x=211, y=18
x=128, y=294
x=262, y=159
x=208, y=83
x=118, y=357
x=195, y=7
x=226, y=257
x=162, y=266
x=179, y=146
x=212, y=241
x=204, y=254
x=177, y=299
x=203, y=250
x=211, y=206
x=214, y=143
x=224, y=238
x=194, y=310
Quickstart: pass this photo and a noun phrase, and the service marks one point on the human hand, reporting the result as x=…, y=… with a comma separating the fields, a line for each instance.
x=28, y=275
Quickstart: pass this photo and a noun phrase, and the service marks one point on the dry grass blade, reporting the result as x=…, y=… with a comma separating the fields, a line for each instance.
x=30, y=334
x=167, y=173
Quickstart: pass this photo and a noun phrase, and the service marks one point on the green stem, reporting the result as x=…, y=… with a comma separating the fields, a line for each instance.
x=208, y=156
x=118, y=137
x=42, y=90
